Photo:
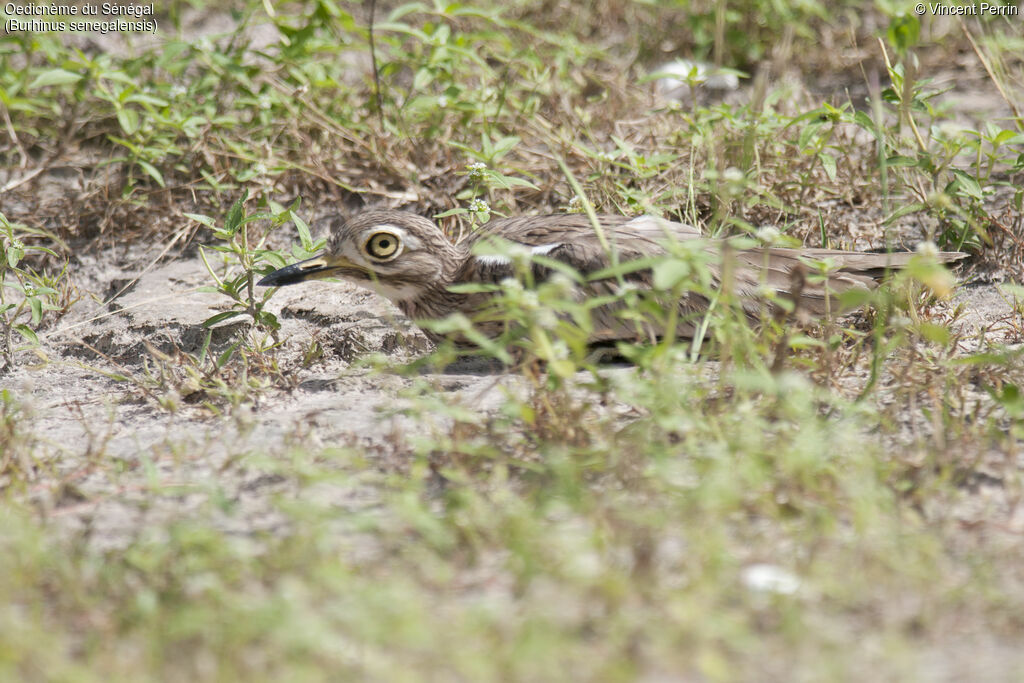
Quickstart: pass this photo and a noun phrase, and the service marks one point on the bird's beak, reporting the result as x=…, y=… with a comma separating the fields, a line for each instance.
x=315, y=268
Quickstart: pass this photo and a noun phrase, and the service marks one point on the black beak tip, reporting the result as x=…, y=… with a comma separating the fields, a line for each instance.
x=267, y=280
x=288, y=275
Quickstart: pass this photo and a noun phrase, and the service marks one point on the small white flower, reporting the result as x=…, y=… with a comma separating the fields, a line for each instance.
x=563, y=283
x=510, y=284
x=479, y=206
x=733, y=175
x=476, y=171
x=768, y=234
x=547, y=319
x=927, y=248
x=442, y=101
x=768, y=578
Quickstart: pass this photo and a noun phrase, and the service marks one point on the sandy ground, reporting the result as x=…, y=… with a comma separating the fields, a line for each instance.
x=85, y=417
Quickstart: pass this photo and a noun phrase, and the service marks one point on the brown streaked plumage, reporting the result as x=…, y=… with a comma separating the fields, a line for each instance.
x=407, y=259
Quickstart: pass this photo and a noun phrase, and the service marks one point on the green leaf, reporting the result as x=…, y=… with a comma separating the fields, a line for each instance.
x=670, y=272
x=221, y=317
x=562, y=367
x=304, y=235
x=129, y=120
x=807, y=133
x=828, y=162
x=223, y=358
x=854, y=298
x=803, y=341
x=422, y=79
x=937, y=334
x=54, y=77
x=36, y=305
x=1005, y=136
x=27, y=332
x=269, y=320
x=627, y=267
x=457, y=211
x=142, y=98
x=262, y=216
x=903, y=32
x=273, y=258
x=234, y=217
x=473, y=288
x=968, y=184
x=503, y=146
x=152, y=172
x=863, y=120
x=14, y=255
x=1010, y=399
x=507, y=182
x=904, y=210
x=898, y=160
x=559, y=267
x=200, y=218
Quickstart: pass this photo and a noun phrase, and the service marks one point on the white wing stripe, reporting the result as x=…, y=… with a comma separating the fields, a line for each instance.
x=493, y=260
x=496, y=260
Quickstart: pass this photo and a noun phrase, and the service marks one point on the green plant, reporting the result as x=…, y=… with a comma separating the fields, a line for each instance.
x=484, y=181
x=244, y=257
x=16, y=461
x=32, y=292
x=954, y=178
x=230, y=378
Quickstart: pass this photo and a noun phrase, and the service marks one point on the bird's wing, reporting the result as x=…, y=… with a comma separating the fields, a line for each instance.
x=571, y=239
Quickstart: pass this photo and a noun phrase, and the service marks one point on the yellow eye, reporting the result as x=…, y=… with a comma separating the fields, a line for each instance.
x=382, y=246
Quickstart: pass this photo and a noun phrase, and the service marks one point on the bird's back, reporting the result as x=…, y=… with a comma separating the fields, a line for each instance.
x=572, y=239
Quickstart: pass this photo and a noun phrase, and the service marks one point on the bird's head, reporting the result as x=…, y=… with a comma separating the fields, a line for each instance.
x=398, y=254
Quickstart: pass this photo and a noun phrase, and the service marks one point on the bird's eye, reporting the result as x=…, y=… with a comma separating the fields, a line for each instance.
x=382, y=246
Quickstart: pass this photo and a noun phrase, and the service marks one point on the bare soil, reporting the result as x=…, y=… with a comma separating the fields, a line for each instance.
x=97, y=394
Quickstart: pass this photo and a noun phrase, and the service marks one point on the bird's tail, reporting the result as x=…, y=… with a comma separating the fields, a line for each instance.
x=781, y=269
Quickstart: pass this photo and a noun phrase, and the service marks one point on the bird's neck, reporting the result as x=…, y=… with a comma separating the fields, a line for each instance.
x=434, y=301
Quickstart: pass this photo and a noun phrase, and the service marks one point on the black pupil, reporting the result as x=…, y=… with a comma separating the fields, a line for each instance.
x=383, y=244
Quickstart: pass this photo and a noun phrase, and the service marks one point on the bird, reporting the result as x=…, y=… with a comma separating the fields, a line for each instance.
x=408, y=259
